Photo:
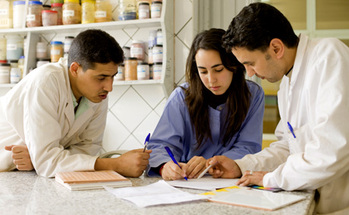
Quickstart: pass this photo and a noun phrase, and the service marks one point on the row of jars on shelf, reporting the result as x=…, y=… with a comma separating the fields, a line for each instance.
x=11, y=71
x=72, y=12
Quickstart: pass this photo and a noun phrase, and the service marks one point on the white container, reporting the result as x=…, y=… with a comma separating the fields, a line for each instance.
x=14, y=47
x=156, y=7
x=67, y=43
x=143, y=10
x=41, y=50
x=121, y=73
x=137, y=50
x=5, y=73
x=143, y=71
x=159, y=37
x=152, y=38
x=19, y=14
x=157, y=54
x=15, y=75
x=127, y=52
x=157, y=70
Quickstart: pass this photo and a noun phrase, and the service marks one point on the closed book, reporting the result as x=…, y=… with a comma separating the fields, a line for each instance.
x=92, y=180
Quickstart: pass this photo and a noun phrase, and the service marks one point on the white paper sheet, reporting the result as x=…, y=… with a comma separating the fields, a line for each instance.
x=204, y=183
x=154, y=194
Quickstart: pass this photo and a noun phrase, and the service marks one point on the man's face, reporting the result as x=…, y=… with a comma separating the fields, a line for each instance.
x=262, y=64
x=94, y=84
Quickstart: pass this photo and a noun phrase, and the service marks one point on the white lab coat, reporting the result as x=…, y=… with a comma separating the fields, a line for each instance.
x=39, y=112
x=316, y=103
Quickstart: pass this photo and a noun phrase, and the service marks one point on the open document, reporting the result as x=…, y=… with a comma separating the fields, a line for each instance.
x=204, y=183
x=154, y=194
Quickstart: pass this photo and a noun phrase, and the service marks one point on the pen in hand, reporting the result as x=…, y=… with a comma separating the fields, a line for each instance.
x=173, y=159
x=204, y=172
x=146, y=142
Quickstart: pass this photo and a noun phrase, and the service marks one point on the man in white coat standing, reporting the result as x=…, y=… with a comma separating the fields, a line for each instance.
x=312, y=151
x=54, y=119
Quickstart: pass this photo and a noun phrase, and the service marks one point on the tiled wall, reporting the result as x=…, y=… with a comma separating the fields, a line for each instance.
x=135, y=110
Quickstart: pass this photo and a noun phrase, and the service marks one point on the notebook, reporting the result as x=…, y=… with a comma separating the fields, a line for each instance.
x=257, y=199
x=92, y=180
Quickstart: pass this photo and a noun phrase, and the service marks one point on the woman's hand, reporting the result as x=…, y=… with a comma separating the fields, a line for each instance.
x=171, y=171
x=195, y=166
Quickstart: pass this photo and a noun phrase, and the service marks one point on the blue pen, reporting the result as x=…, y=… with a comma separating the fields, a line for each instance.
x=146, y=142
x=291, y=129
x=173, y=159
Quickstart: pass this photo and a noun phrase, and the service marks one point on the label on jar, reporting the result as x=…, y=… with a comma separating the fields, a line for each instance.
x=15, y=75
x=100, y=14
x=31, y=17
x=55, y=52
x=4, y=76
x=68, y=13
x=11, y=47
x=3, y=12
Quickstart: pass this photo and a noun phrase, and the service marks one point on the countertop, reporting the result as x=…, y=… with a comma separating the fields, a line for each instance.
x=28, y=193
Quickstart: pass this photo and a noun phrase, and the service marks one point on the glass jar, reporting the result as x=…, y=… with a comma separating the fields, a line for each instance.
x=137, y=50
x=15, y=75
x=18, y=14
x=157, y=70
x=127, y=9
x=130, y=69
x=58, y=7
x=49, y=17
x=156, y=7
x=56, y=51
x=41, y=50
x=143, y=71
x=103, y=11
x=34, y=14
x=71, y=12
x=5, y=73
x=87, y=11
x=121, y=73
x=6, y=14
x=143, y=10
x=157, y=54
x=3, y=48
x=14, y=47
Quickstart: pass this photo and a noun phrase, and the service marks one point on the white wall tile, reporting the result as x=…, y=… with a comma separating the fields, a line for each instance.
x=115, y=133
x=147, y=126
x=152, y=94
x=131, y=143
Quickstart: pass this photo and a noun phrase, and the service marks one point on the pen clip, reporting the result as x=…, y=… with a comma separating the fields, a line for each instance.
x=146, y=142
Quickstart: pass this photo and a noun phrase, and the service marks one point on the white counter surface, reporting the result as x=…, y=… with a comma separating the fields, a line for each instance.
x=27, y=193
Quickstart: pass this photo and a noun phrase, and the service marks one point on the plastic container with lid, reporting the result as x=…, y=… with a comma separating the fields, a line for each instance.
x=49, y=17
x=6, y=14
x=137, y=49
x=15, y=75
x=127, y=9
x=56, y=51
x=58, y=7
x=5, y=73
x=156, y=7
x=3, y=48
x=71, y=12
x=126, y=50
x=157, y=54
x=143, y=71
x=21, y=65
x=157, y=70
x=152, y=38
x=88, y=11
x=14, y=47
x=18, y=14
x=67, y=43
x=159, y=37
x=103, y=11
x=34, y=16
x=143, y=10
x=121, y=73
x=130, y=69
x=150, y=55
x=41, y=50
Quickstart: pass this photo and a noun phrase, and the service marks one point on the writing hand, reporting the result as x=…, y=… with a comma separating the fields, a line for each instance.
x=171, y=171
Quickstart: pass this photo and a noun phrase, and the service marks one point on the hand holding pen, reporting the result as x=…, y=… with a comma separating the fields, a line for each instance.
x=169, y=176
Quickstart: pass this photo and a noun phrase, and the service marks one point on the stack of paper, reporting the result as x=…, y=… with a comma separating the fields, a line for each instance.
x=154, y=194
x=92, y=180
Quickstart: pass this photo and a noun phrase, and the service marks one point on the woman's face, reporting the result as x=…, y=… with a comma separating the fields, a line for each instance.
x=212, y=72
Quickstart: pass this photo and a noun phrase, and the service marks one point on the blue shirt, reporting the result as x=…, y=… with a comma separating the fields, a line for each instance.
x=175, y=131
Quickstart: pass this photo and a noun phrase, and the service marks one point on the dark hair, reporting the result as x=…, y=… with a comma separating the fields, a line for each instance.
x=94, y=46
x=238, y=93
x=256, y=25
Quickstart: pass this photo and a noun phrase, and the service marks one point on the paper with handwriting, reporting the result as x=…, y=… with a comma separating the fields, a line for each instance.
x=204, y=183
